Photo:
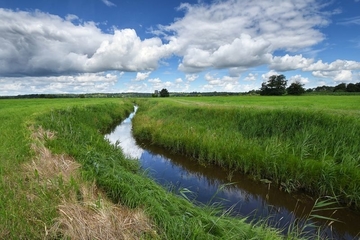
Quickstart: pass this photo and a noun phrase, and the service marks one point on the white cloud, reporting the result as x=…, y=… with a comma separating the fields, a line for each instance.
x=138, y=88
x=298, y=78
x=83, y=83
x=286, y=63
x=223, y=34
x=338, y=70
x=191, y=77
x=154, y=80
x=225, y=83
x=333, y=66
x=142, y=76
x=127, y=52
x=265, y=77
x=108, y=3
x=71, y=17
x=230, y=34
x=251, y=77
x=243, y=51
x=349, y=21
x=158, y=84
x=178, y=80
x=41, y=44
x=337, y=76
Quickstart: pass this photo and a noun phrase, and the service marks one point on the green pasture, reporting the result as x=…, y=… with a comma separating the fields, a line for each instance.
x=19, y=217
x=28, y=208
x=350, y=104
x=309, y=143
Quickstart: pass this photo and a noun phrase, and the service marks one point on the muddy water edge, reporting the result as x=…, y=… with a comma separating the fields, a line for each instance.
x=235, y=193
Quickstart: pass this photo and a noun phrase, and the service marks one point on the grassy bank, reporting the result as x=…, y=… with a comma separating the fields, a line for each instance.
x=27, y=206
x=310, y=143
x=31, y=204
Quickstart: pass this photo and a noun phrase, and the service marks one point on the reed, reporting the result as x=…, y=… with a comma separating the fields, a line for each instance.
x=79, y=133
x=28, y=207
x=30, y=199
x=313, y=149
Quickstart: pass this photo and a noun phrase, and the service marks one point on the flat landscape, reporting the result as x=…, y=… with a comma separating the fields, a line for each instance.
x=307, y=143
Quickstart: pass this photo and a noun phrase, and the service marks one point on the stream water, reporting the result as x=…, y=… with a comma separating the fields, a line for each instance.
x=236, y=193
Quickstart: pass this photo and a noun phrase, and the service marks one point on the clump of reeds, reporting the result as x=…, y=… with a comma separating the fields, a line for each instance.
x=79, y=134
x=297, y=148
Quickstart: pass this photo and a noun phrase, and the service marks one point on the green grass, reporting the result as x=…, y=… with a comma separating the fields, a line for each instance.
x=334, y=104
x=19, y=217
x=120, y=178
x=308, y=142
x=79, y=125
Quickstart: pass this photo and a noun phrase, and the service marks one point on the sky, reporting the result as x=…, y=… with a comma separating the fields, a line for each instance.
x=112, y=46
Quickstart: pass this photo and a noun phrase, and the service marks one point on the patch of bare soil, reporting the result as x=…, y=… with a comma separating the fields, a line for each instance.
x=84, y=211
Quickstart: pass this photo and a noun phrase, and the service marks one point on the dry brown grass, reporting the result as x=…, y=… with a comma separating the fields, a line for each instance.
x=84, y=211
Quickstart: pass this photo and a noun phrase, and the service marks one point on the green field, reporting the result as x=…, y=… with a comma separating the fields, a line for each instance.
x=309, y=143
x=59, y=176
x=27, y=208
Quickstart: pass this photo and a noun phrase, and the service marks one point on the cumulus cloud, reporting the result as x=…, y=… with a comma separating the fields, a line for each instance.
x=154, y=80
x=333, y=66
x=338, y=70
x=225, y=83
x=230, y=34
x=127, y=52
x=251, y=77
x=223, y=35
x=142, y=76
x=191, y=77
x=41, y=44
x=158, y=84
x=286, y=63
x=265, y=77
x=337, y=76
x=298, y=78
x=79, y=83
x=243, y=51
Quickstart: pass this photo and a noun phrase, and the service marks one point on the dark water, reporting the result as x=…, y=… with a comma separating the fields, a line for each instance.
x=236, y=193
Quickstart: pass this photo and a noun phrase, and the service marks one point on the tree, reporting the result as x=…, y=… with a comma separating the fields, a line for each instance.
x=351, y=87
x=276, y=85
x=296, y=88
x=340, y=88
x=164, y=93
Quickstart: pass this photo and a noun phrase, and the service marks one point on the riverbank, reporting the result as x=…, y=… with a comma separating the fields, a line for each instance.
x=74, y=130
x=300, y=143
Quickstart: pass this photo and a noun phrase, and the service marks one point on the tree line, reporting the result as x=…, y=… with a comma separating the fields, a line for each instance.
x=276, y=86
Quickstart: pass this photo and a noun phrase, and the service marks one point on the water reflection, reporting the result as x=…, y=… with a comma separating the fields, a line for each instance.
x=211, y=184
x=122, y=137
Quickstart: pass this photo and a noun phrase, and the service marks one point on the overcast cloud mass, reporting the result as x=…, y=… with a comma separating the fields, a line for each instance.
x=228, y=45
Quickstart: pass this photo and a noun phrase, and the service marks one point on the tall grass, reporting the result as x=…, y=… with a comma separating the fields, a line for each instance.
x=27, y=208
x=313, y=149
x=79, y=133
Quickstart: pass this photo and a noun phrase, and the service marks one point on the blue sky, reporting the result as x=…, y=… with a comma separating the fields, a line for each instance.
x=86, y=46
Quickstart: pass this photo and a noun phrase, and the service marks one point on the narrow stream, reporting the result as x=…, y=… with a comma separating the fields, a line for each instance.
x=236, y=193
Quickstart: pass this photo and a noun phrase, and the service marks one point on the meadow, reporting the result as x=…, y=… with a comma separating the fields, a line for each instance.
x=308, y=143
x=60, y=179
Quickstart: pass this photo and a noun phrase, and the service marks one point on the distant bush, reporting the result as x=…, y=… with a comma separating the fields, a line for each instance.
x=296, y=88
x=276, y=85
x=164, y=93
